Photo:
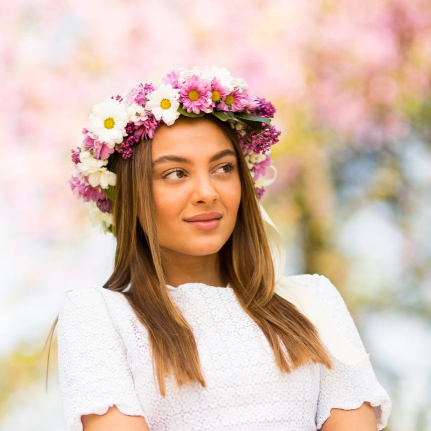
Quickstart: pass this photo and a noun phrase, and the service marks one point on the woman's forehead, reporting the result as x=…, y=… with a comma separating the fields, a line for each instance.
x=191, y=134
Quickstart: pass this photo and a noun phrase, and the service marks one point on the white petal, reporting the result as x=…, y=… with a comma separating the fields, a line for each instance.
x=175, y=104
x=112, y=178
x=157, y=112
x=94, y=179
x=151, y=104
x=170, y=116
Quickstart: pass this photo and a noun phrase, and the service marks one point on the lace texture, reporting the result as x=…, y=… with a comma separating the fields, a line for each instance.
x=104, y=358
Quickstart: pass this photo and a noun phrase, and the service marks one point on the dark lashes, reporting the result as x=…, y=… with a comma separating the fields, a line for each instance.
x=231, y=168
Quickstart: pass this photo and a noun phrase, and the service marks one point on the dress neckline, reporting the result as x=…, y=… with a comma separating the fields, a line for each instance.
x=186, y=286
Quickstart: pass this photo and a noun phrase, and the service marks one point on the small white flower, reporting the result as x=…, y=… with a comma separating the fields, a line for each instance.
x=223, y=74
x=108, y=121
x=239, y=126
x=95, y=170
x=102, y=178
x=97, y=217
x=89, y=164
x=136, y=112
x=163, y=103
x=184, y=73
x=240, y=82
x=252, y=158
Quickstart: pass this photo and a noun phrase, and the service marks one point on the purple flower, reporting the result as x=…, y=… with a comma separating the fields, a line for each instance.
x=75, y=155
x=262, y=108
x=269, y=136
x=195, y=94
x=125, y=147
x=260, y=191
x=259, y=168
x=104, y=205
x=243, y=141
x=138, y=94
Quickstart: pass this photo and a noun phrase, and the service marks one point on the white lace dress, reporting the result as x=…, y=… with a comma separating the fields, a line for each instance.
x=104, y=359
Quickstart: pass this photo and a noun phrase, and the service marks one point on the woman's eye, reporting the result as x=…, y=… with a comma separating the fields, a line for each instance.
x=172, y=172
x=229, y=167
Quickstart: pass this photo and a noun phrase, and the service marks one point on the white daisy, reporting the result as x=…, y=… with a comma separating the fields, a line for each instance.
x=163, y=103
x=95, y=170
x=97, y=217
x=108, y=121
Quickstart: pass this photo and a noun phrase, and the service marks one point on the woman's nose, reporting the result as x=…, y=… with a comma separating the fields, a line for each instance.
x=204, y=188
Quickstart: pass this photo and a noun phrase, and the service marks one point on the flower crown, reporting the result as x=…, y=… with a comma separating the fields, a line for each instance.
x=122, y=121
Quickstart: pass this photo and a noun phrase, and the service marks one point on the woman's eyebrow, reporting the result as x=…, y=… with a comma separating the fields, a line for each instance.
x=179, y=159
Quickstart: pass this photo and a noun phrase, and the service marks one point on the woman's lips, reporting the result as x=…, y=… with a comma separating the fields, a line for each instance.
x=205, y=225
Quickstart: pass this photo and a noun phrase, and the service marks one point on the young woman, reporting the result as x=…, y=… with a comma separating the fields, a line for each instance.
x=197, y=328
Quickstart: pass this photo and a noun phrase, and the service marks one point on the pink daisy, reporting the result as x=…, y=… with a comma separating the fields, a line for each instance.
x=144, y=128
x=218, y=92
x=236, y=101
x=82, y=188
x=195, y=95
x=99, y=149
x=172, y=78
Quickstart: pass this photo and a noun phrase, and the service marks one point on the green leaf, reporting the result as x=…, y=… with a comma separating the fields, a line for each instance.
x=110, y=192
x=253, y=118
x=189, y=114
x=255, y=125
x=222, y=115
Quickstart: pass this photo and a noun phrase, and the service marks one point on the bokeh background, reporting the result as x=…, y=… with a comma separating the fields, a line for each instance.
x=351, y=84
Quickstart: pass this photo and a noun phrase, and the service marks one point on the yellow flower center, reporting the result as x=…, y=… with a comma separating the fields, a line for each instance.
x=229, y=99
x=193, y=95
x=165, y=104
x=109, y=123
x=216, y=96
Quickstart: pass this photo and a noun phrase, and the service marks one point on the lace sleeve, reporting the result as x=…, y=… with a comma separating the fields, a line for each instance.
x=92, y=361
x=347, y=386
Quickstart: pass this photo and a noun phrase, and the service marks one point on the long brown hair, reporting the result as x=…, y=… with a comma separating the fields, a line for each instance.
x=244, y=261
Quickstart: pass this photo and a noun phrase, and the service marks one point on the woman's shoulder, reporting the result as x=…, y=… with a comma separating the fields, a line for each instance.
x=308, y=280
x=328, y=294
x=91, y=305
x=321, y=286
x=88, y=296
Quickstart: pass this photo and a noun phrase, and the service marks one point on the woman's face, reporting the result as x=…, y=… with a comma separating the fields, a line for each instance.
x=207, y=180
